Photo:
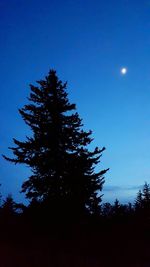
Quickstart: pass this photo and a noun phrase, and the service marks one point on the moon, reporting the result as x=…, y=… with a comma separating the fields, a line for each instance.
x=123, y=71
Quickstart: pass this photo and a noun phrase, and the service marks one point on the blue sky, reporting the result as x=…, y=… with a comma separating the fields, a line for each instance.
x=87, y=42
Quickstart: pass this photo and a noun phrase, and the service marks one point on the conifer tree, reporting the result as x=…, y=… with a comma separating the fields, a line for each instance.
x=63, y=175
x=139, y=201
x=142, y=201
x=9, y=206
x=107, y=210
x=146, y=192
x=146, y=195
x=119, y=210
x=116, y=207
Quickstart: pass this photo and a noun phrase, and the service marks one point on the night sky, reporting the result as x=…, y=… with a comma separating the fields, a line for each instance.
x=87, y=42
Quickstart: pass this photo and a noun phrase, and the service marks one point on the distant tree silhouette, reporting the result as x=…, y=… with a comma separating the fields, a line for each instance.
x=63, y=175
x=142, y=202
x=107, y=210
x=146, y=195
x=116, y=206
x=8, y=206
x=139, y=201
x=119, y=209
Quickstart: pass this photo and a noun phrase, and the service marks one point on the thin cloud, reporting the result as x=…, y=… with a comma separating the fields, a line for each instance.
x=110, y=188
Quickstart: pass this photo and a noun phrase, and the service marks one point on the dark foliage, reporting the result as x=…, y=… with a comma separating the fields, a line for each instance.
x=64, y=183
x=8, y=206
x=63, y=176
x=139, y=201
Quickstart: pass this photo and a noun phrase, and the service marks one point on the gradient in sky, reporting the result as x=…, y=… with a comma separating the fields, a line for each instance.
x=87, y=42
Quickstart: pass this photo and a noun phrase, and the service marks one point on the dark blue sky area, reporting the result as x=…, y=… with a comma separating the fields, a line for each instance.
x=87, y=42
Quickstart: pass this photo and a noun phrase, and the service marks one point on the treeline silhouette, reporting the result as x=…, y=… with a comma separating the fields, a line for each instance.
x=66, y=223
x=119, y=234
x=140, y=207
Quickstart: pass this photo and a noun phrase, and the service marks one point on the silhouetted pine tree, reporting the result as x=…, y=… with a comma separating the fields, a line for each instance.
x=146, y=196
x=119, y=210
x=139, y=201
x=63, y=175
x=8, y=206
x=146, y=192
x=107, y=210
x=116, y=206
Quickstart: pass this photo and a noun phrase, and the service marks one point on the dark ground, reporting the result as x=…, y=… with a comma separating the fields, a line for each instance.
x=107, y=243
